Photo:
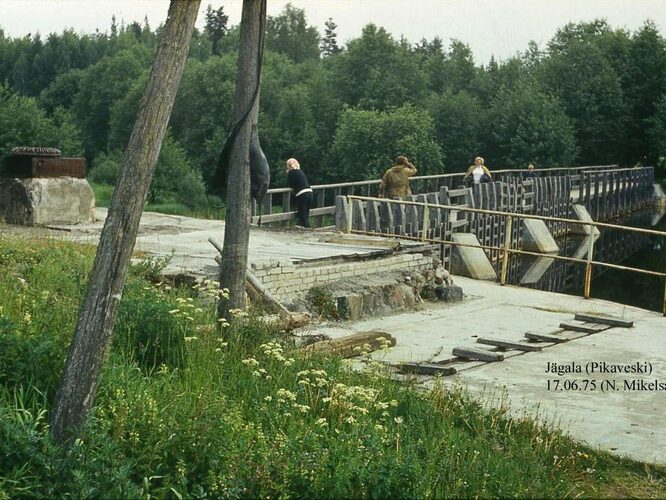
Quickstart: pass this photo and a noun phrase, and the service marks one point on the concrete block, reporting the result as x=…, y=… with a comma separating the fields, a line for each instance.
x=469, y=261
x=659, y=196
x=536, y=270
x=43, y=201
x=537, y=238
x=581, y=213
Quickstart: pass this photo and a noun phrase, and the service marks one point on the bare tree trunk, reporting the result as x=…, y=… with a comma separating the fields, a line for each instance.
x=237, y=227
x=78, y=387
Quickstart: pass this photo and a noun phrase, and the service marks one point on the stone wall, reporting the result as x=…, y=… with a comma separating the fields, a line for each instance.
x=286, y=280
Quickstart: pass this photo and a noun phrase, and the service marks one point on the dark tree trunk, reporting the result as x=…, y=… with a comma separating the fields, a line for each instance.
x=78, y=387
x=237, y=227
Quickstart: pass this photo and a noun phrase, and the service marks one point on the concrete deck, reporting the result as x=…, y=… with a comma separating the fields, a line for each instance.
x=627, y=422
x=623, y=421
x=160, y=234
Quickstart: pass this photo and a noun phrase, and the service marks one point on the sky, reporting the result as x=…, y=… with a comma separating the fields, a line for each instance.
x=498, y=28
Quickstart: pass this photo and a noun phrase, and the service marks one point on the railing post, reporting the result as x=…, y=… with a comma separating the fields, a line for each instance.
x=507, y=243
x=588, y=266
x=350, y=215
x=426, y=221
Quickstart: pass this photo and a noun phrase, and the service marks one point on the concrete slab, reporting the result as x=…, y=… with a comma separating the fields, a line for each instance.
x=468, y=261
x=580, y=212
x=160, y=234
x=626, y=420
x=537, y=238
x=536, y=270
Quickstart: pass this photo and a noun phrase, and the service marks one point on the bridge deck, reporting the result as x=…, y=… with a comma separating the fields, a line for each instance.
x=159, y=234
x=623, y=421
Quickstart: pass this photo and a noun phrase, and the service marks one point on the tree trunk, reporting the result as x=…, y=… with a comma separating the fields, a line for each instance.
x=78, y=387
x=237, y=227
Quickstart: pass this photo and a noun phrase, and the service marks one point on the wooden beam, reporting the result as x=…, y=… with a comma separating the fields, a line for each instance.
x=544, y=337
x=604, y=320
x=507, y=344
x=426, y=368
x=584, y=327
x=354, y=345
x=477, y=354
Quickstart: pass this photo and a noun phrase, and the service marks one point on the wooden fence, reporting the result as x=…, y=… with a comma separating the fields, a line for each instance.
x=277, y=205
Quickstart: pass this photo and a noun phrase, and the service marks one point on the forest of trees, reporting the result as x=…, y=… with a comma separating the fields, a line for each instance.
x=593, y=95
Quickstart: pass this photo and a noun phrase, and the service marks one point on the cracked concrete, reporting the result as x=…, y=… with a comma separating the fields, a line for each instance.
x=626, y=422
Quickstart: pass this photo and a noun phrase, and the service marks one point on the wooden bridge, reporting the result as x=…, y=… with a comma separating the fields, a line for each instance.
x=606, y=191
x=493, y=212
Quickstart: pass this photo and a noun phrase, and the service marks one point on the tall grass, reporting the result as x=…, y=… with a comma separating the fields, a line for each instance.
x=191, y=406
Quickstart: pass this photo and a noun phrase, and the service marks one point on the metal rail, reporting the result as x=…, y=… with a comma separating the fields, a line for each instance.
x=506, y=248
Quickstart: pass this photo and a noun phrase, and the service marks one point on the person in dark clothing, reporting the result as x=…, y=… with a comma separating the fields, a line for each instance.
x=531, y=173
x=303, y=193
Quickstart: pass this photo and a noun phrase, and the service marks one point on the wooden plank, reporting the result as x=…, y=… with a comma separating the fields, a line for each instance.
x=604, y=320
x=477, y=354
x=426, y=369
x=354, y=345
x=507, y=344
x=584, y=327
x=544, y=337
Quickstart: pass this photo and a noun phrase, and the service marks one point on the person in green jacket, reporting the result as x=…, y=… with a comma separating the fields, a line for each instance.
x=395, y=182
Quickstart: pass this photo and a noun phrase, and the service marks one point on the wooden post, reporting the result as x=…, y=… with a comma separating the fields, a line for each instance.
x=426, y=221
x=350, y=216
x=664, y=308
x=588, y=266
x=92, y=337
x=507, y=243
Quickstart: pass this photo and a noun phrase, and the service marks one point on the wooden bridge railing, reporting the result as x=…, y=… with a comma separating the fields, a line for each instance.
x=277, y=203
x=508, y=244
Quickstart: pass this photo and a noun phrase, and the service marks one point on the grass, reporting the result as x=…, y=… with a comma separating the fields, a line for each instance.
x=104, y=192
x=185, y=410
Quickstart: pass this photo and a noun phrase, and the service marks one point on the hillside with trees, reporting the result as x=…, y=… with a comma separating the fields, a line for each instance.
x=594, y=94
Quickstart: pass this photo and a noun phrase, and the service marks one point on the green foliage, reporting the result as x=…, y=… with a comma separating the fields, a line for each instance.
x=460, y=126
x=288, y=34
x=245, y=414
x=323, y=303
x=216, y=27
x=609, y=82
x=201, y=114
x=23, y=123
x=175, y=180
x=101, y=85
x=583, y=78
x=527, y=126
x=367, y=142
x=376, y=72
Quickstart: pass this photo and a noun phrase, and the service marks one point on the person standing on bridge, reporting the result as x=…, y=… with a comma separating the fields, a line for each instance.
x=531, y=173
x=478, y=172
x=395, y=182
x=302, y=191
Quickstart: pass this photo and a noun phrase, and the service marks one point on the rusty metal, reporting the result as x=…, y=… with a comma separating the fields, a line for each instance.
x=59, y=167
x=507, y=248
x=31, y=162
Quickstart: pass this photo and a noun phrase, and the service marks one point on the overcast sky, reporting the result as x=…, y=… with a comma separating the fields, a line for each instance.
x=490, y=27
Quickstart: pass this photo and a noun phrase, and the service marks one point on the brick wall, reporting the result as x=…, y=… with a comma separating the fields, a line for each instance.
x=286, y=280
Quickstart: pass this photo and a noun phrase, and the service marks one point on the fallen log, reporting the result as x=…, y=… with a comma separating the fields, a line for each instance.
x=353, y=345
